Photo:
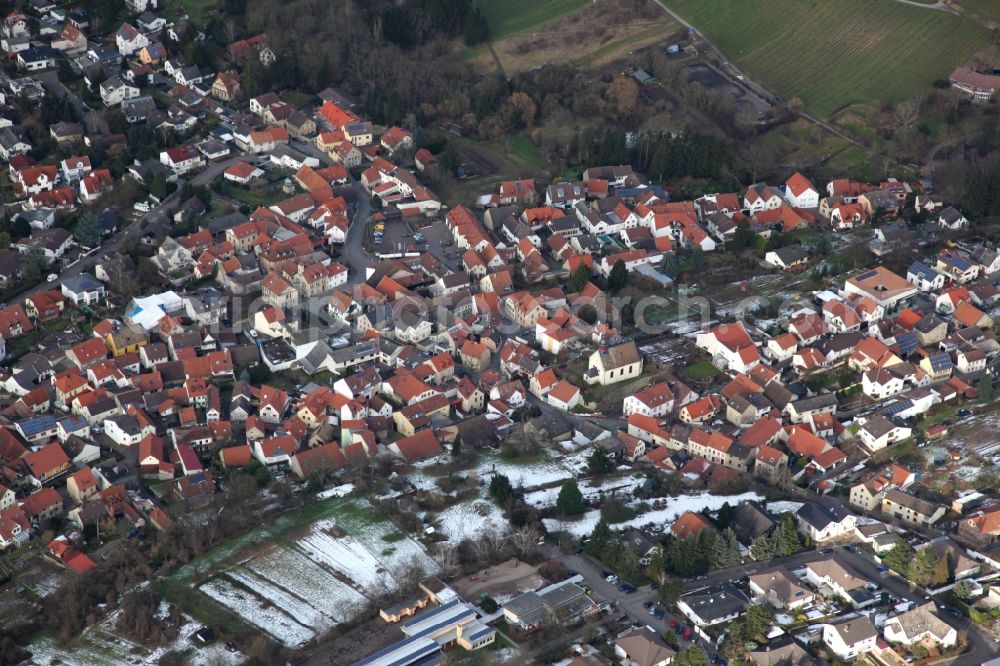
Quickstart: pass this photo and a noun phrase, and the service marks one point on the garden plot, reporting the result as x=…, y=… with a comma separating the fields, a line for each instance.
x=298, y=608
x=257, y=611
x=295, y=573
x=657, y=517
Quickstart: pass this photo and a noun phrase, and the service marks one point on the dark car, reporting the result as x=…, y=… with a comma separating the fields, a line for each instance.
x=605, y=574
x=962, y=413
x=627, y=589
x=654, y=585
x=647, y=604
x=659, y=613
x=673, y=623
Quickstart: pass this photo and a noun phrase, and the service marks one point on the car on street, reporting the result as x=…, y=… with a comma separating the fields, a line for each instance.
x=659, y=613
x=673, y=623
x=883, y=570
x=647, y=604
x=962, y=413
x=654, y=585
x=626, y=588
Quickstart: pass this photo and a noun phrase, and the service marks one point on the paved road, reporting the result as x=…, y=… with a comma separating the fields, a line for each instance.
x=354, y=255
x=93, y=119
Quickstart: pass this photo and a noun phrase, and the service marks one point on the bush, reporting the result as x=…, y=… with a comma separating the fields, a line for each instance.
x=489, y=604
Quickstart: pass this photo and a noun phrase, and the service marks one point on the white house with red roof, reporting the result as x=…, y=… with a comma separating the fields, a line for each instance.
x=182, y=159
x=242, y=173
x=564, y=396
x=656, y=400
x=800, y=192
x=761, y=197
x=731, y=347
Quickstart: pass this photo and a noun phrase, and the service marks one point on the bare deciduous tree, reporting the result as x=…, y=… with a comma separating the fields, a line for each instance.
x=906, y=116
x=524, y=539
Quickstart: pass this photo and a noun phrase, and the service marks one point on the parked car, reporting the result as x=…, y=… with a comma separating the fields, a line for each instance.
x=962, y=413
x=883, y=570
x=659, y=613
x=686, y=634
x=673, y=623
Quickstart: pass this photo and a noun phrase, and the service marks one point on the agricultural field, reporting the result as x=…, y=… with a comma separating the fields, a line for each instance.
x=585, y=33
x=303, y=580
x=836, y=53
x=985, y=9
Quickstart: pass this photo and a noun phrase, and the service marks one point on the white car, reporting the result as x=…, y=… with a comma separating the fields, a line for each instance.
x=141, y=206
x=52, y=277
x=252, y=333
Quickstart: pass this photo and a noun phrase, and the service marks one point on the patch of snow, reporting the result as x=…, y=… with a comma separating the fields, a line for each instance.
x=294, y=572
x=657, y=517
x=470, y=520
x=257, y=612
x=783, y=506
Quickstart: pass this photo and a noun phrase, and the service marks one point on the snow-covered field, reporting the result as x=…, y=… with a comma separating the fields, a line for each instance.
x=258, y=612
x=294, y=572
x=548, y=496
x=530, y=474
x=657, y=517
x=302, y=588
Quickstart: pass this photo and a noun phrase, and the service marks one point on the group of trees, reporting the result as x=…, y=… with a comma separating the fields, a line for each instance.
x=607, y=547
x=701, y=553
x=923, y=567
x=781, y=541
x=414, y=22
x=750, y=628
x=511, y=500
x=665, y=156
x=140, y=621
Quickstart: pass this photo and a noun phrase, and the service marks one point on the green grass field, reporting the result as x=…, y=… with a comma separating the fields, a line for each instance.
x=701, y=370
x=987, y=9
x=196, y=9
x=830, y=54
x=507, y=17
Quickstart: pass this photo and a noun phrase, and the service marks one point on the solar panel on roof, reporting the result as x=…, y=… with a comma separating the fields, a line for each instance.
x=907, y=342
x=35, y=426
x=865, y=276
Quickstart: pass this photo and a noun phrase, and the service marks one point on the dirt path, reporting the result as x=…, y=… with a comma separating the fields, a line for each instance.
x=939, y=6
x=505, y=572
